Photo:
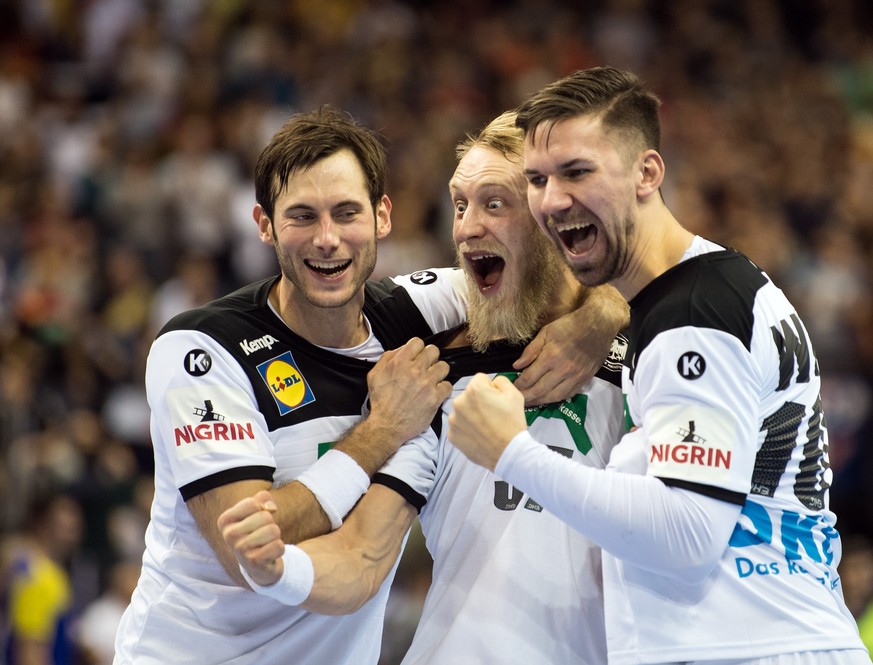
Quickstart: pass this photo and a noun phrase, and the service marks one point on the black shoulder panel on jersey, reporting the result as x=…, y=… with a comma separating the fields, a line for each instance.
x=292, y=379
x=225, y=477
x=715, y=290
x=706, y=490
x=392, y=313
x=246, y=299
x=412, y=497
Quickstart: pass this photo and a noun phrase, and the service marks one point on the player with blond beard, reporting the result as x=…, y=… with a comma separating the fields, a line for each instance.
x=511, y=583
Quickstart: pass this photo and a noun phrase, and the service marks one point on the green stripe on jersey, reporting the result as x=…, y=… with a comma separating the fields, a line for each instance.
x=571, y=411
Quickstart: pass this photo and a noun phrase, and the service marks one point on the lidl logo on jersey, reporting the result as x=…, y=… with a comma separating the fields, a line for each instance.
x=287, y=385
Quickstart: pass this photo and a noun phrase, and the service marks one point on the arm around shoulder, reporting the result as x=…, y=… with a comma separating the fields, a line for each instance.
x=571, y=349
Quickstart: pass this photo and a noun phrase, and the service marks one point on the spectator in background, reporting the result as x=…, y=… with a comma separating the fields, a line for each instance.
x=37, y=592
x=94, y=629
x=787, y=84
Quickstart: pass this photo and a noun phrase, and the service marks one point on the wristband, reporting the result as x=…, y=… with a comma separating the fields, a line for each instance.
x=337, y=481
x=294, y=586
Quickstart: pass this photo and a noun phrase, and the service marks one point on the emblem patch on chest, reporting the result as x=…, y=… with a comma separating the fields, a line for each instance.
x=287, y=384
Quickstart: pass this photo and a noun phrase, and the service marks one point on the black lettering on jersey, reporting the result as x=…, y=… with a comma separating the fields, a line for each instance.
x=197, y=362
x=507, y=497
x=691, y=365
x=783, y=436
x=423, y=277
x=772, y=459
x=791, y=348
x=810, y=485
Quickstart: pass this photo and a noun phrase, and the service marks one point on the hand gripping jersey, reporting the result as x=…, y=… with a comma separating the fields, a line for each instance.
x=721, y=374
x=236, y=395
x=511, y=582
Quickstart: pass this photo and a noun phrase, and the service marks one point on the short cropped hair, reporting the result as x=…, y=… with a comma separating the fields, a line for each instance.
x=501, y=134
x=618, y=97
x=307, y=138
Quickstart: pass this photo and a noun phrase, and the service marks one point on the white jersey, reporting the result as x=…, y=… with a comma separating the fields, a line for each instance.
x=511, y=582
x=236, y=395
x=721, y=375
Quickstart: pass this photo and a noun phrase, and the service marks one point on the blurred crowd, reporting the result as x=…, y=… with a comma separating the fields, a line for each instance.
x=129, y=130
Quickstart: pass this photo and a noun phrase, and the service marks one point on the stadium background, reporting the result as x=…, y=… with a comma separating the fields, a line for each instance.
x=129, y=130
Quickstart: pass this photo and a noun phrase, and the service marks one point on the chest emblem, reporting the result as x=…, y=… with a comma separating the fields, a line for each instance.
x=287, y=384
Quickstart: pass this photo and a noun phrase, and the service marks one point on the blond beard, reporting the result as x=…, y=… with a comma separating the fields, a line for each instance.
x=515, y=317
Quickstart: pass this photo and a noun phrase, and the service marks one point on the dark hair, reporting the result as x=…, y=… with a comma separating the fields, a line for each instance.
x=307, y=138
x=617, y=96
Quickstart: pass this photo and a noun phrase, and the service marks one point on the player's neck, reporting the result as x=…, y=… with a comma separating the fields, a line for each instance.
x=340, y=327
x=659, y=247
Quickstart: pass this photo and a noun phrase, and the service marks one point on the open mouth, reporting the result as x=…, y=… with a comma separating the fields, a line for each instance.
x=577, y=238
x=328, y=268
x=487, y=269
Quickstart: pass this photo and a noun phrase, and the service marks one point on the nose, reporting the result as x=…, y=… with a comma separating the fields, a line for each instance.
x=553, y=199
x=468, y=226
x=326, y=236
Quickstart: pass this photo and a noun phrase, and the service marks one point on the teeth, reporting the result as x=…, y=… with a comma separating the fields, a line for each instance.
x=326, y=265
x=484, y=256
x=572, y=226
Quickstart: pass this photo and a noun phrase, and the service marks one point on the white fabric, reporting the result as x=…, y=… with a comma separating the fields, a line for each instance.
x=829, y=657
x=295, y=584
x=511, y=583
x=745, y=425
x=637, y=519
x=186, y=610
x=338, y=482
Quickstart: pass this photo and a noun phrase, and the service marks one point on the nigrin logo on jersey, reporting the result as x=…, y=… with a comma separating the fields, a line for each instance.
x=694, y=454
x=214, y=431
x=287, y=384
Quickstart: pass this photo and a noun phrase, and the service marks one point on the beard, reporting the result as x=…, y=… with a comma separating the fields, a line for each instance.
x=364, y=264
x=616, y=257
x=516, y=316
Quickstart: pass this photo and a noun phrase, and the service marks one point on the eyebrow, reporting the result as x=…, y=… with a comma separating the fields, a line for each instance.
x=307, y=207
x=563, y=165
x=489, y=184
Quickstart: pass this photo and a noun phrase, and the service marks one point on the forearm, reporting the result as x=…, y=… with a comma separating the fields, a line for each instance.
x=636, y=518
x=346, y=576
x=338, y=572
x=371, y=442
x=352, y=562
x=608, y=305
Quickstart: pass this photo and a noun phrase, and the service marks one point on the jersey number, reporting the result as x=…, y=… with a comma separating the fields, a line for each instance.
x=507, y=497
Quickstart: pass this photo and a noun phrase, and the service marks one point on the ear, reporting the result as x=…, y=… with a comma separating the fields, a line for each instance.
x=383, y=217
x=265, y=225
x=651, y=173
